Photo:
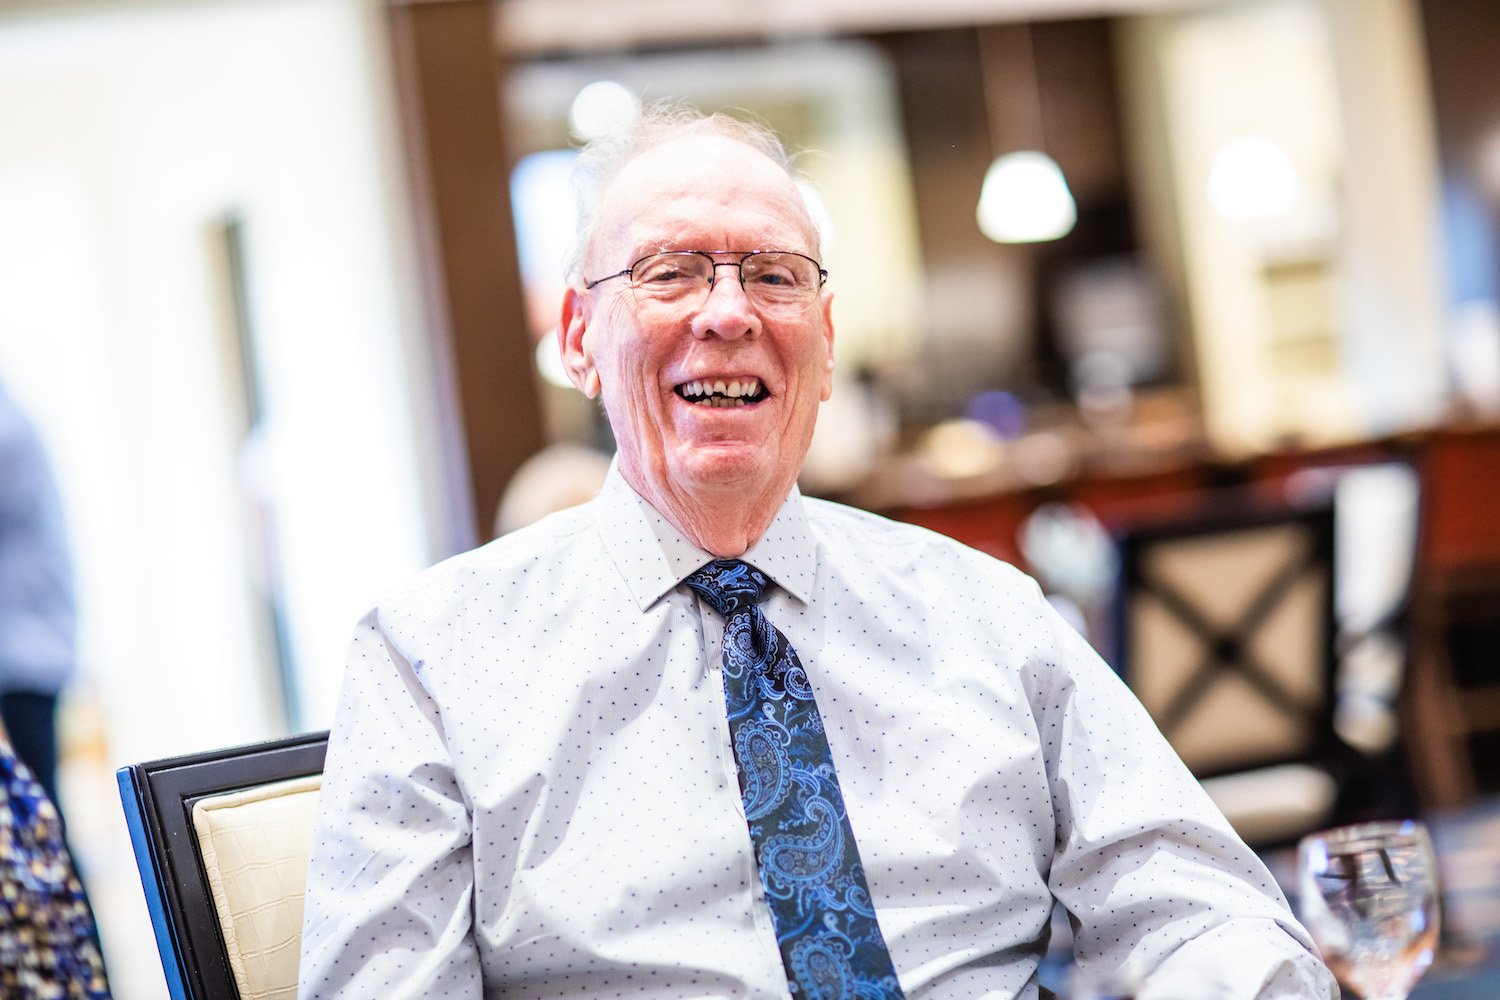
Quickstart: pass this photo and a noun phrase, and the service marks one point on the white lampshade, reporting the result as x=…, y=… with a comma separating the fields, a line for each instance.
x=1252, y=178
x=549, y=361
x=601, y=107
x=1025, y=199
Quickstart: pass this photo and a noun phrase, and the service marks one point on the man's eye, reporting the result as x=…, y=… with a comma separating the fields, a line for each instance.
x=774, y=277
x=669, y=270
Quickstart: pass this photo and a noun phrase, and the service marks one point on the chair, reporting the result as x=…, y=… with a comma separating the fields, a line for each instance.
x=221, y=839
x=1225, y=629
x=1452, y=700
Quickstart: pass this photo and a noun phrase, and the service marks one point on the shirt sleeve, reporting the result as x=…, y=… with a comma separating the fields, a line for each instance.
x=390, y=880
x=1160, y=890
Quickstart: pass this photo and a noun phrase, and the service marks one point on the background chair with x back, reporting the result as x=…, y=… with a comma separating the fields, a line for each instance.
x=1225, y=630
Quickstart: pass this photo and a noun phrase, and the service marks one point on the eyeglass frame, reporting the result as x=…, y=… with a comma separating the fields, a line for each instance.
x=739, y=265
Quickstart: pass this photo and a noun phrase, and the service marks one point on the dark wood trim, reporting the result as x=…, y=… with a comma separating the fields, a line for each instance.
x=448, y=78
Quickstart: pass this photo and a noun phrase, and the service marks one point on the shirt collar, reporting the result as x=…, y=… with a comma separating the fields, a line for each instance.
x=653, y=557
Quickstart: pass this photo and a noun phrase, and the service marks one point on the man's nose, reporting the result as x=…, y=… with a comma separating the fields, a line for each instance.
x=727, y=311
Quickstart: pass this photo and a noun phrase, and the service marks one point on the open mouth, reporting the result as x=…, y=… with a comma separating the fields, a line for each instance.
x=721, y=393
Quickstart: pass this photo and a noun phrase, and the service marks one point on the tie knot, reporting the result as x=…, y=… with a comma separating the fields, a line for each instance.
x=728, y=584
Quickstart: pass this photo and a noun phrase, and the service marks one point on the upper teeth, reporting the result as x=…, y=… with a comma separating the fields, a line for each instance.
x=736, y=389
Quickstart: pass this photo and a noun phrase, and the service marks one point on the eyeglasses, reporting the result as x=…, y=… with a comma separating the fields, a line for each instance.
x=777, y=282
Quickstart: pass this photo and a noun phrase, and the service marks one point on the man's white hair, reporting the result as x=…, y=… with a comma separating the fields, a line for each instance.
x=603, y=158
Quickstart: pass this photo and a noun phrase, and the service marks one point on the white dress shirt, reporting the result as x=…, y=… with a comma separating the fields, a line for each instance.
x=531, y=792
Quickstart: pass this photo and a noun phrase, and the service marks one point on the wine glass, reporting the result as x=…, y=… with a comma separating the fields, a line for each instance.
x=1368, y=895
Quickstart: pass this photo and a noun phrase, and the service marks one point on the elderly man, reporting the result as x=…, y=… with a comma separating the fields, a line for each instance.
x=703, y=737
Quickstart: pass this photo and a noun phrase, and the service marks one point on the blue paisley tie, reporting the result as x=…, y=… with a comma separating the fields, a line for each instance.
x=825, y=923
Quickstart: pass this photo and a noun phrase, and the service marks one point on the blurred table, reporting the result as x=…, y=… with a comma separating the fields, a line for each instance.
x=1450, y=706
x=1468, y=847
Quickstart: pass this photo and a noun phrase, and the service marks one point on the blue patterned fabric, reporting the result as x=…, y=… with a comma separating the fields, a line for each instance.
x=825, y=923
x=48, y=945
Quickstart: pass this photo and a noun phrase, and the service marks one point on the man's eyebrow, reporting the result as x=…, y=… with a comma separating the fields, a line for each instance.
x=658, y=244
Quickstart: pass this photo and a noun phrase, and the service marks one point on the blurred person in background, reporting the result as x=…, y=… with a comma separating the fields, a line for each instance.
x=49, y=946
x=38, y=634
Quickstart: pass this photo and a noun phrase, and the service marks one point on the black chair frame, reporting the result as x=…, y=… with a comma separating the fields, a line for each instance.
x=1228, y=648
x=158, y=797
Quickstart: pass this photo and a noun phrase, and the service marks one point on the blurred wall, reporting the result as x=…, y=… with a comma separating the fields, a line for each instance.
x=206, y=299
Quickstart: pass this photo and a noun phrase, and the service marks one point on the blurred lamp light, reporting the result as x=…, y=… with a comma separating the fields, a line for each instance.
x=549, y=361
x=1025, y=199
x=1252, y=178
x=600, y=108
x=960, y=449
x=1002, y=411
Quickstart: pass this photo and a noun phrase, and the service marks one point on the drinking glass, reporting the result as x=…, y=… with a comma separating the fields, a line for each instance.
x=1368, y=895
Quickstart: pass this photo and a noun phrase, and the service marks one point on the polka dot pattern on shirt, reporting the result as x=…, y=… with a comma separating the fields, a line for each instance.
x=530, y=784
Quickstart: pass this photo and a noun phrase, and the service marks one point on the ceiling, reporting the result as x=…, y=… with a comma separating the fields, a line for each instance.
x=536, y=27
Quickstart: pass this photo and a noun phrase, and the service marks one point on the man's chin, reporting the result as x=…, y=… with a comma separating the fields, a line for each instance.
x=726, y=467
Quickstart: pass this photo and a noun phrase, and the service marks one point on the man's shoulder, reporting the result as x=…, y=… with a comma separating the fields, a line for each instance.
x=863, y=534
x=499, y=566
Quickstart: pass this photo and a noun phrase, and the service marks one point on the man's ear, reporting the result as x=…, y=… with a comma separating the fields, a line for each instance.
x=827, y=307
x=576, y=358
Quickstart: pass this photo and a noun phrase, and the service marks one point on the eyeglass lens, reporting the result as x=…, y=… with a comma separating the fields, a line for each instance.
x=776, y=281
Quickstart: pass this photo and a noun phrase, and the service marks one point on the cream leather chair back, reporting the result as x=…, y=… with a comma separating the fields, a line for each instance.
x=254, y=847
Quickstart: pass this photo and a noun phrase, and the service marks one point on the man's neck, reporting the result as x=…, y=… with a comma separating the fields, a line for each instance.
x=725, y=523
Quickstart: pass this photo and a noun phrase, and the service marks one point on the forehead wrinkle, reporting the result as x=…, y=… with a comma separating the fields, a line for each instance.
x=674, y=239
